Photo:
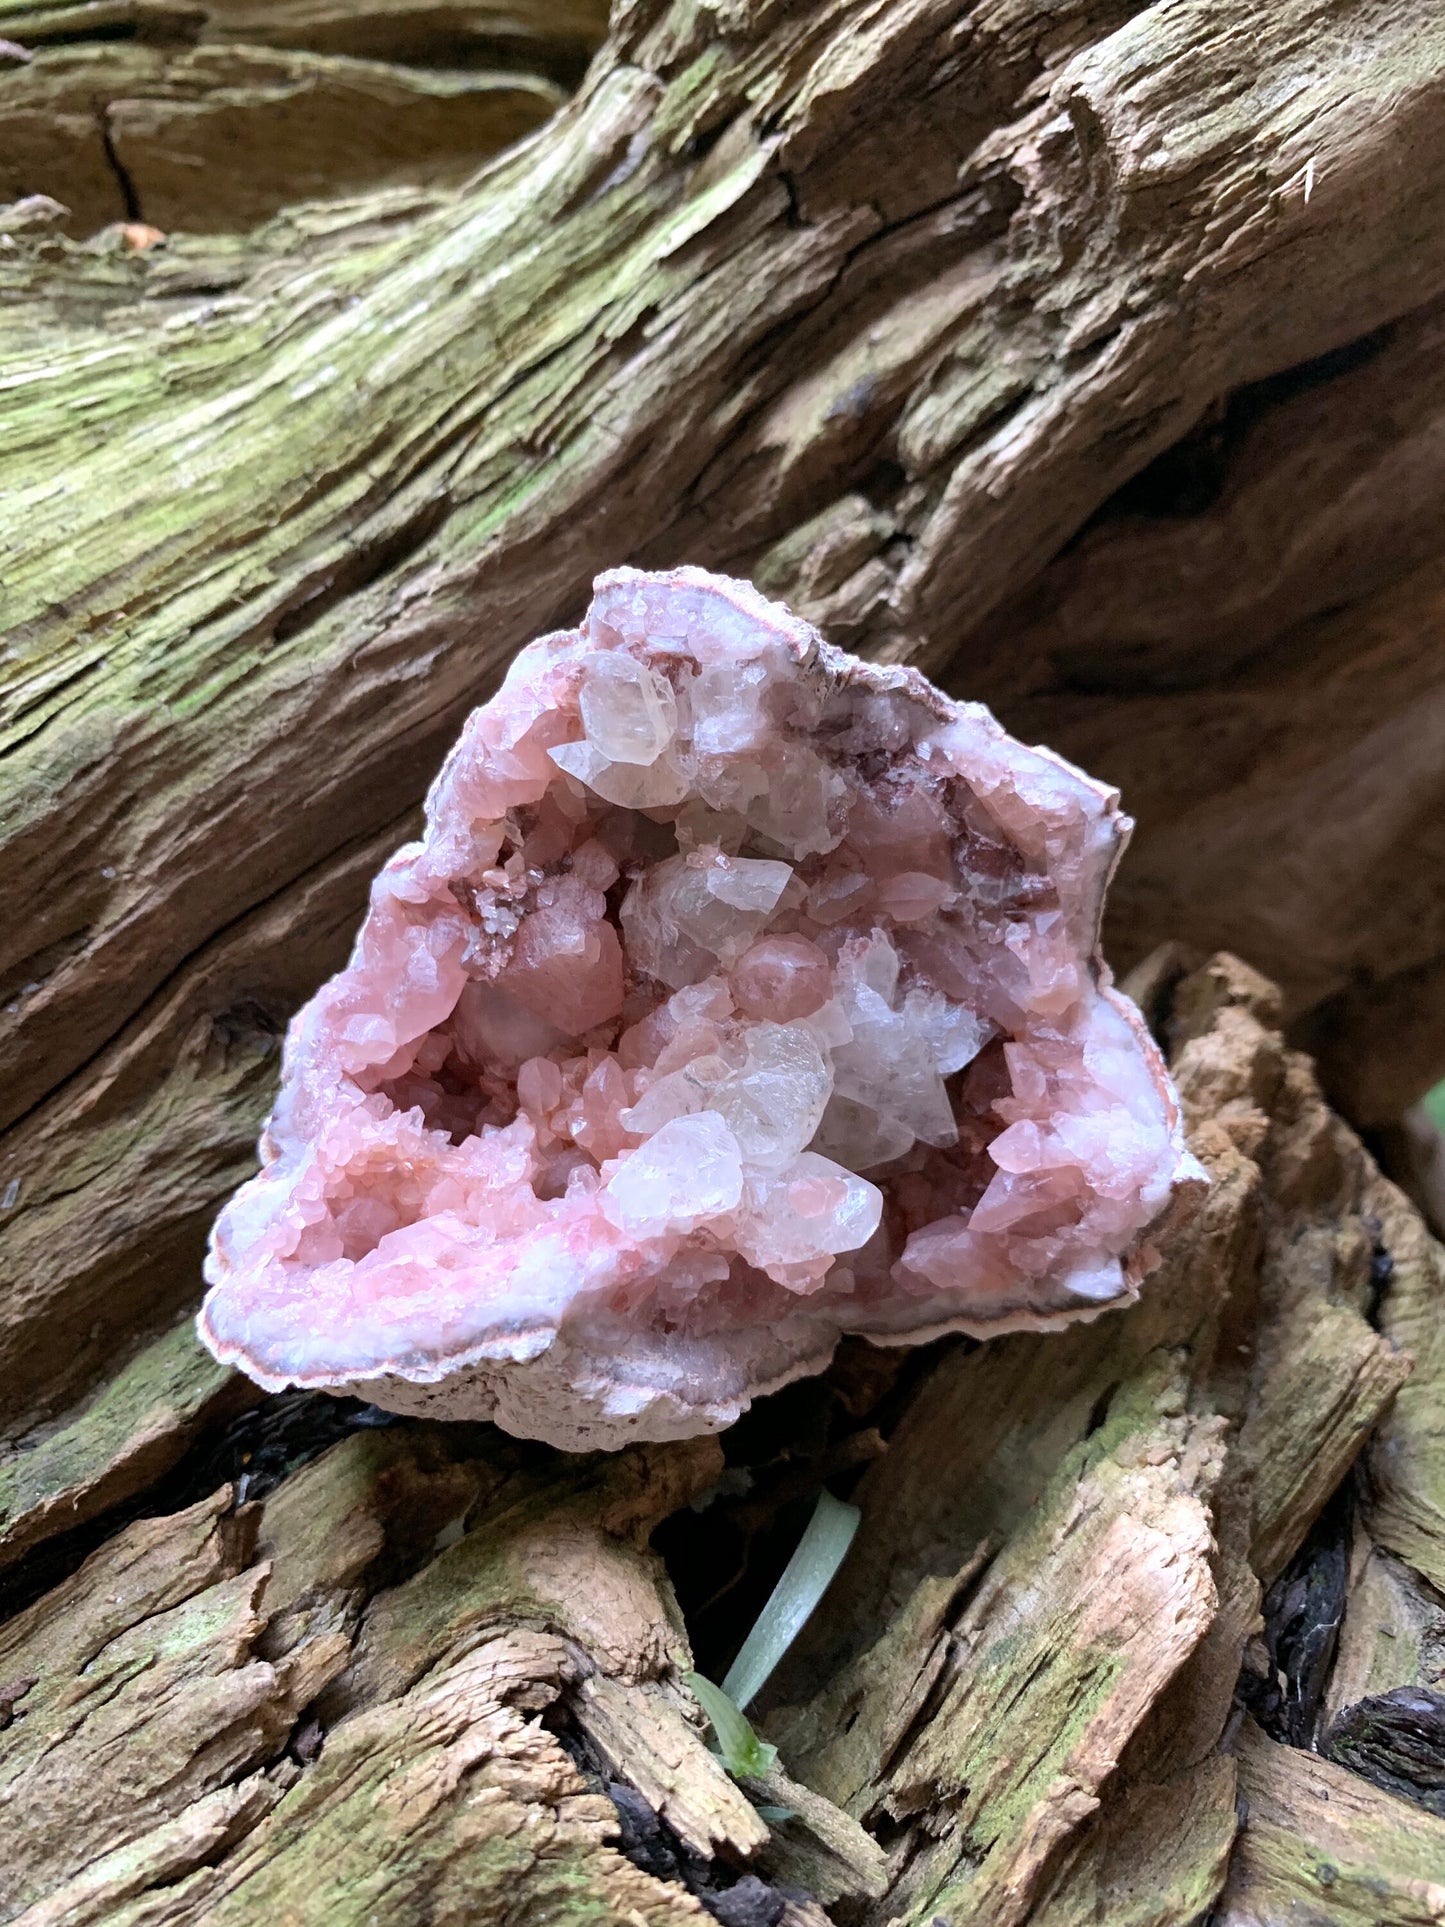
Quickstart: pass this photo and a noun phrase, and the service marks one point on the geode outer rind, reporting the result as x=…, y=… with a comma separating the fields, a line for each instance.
x=740, y=994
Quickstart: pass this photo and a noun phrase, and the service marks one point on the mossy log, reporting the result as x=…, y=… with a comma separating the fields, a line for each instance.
x=426, y=1672
x=1088, y=357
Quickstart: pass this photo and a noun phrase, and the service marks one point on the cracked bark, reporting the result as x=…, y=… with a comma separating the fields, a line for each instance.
x=1089, y=358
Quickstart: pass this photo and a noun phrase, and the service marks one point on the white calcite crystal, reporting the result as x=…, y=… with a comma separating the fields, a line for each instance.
x=740, y=994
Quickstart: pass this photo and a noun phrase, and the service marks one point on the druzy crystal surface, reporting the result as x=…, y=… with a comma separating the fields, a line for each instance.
x=739, y=994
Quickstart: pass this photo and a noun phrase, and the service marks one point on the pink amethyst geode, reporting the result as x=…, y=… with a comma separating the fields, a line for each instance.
x=739, y=995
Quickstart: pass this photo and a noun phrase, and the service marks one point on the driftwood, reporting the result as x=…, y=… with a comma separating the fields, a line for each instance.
x=1089, y=364
x=1109, y=1589
x=1090, y=358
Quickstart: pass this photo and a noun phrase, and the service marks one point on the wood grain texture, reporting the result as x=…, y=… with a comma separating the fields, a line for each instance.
x=1086, y=357
x=1017, y=1704
x=1320, y=1844
x=740, y=275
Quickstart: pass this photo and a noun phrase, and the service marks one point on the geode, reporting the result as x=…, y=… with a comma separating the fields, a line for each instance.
x=740, y=994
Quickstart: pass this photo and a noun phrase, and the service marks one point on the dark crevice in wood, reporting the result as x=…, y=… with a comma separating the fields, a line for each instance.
x=128, y=194
x=1302, y=1614
x=1190, y=477
x=252, y=1453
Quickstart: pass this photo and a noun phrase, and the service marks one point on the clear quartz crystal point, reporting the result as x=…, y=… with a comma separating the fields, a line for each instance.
x=629, y=712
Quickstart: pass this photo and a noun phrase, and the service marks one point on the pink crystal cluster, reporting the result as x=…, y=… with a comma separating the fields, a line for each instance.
x=740, y=994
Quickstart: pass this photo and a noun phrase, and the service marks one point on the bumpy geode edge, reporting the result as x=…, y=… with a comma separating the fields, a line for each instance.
x=539, y=1382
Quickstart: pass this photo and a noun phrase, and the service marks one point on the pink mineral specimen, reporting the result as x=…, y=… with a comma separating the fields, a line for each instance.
x=739, y=995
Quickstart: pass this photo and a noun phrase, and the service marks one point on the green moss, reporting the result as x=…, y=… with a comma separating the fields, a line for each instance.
x=139, y=1425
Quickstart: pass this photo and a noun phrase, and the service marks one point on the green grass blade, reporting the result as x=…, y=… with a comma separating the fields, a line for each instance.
x=744, y=1755
x=805, y=1579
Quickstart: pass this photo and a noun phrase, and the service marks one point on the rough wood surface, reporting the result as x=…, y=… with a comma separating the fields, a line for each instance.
x=1048, y=1642
x=441, y=1797
x=1088, y=357
x=116, y=131
x=445, y=1669
x=135, y=1429
x=1320, y=1843
x=900, y=307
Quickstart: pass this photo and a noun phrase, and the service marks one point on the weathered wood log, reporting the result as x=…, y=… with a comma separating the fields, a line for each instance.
x=904, y=309
x=1090, y=360
x=407, y=1675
